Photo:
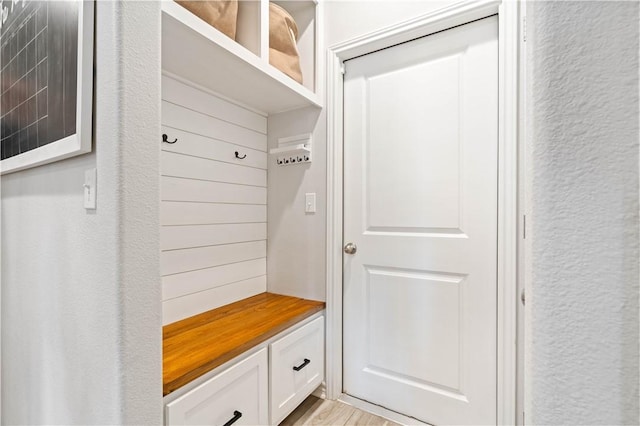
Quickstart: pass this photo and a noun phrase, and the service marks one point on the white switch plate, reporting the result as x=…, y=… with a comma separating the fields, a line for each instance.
x=310, y=202
x=90, y=189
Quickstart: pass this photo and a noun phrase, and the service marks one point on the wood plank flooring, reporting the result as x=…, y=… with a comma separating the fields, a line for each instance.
x=319, y=412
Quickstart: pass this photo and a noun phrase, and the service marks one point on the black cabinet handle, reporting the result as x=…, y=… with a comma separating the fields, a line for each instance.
x=240, y=158
x=236, y=415
x=303, y=365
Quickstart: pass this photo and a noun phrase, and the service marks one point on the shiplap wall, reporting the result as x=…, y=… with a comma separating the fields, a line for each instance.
x=213, y=211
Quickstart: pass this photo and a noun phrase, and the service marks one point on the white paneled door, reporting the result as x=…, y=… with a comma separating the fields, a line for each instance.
x=420, y=207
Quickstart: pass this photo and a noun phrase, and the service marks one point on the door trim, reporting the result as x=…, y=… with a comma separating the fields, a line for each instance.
x=509, y=143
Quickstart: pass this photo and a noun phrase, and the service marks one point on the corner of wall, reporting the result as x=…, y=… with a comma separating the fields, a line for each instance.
x=582, y=351
x=296, y=258
x=139, y=254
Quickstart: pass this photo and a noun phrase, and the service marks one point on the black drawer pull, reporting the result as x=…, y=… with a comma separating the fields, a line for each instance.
x=236, y=415
x=303, y=365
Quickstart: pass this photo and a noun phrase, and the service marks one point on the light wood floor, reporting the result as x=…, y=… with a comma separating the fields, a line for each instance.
x=316, y=411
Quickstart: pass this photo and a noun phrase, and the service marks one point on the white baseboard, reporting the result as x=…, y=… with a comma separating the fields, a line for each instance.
x=321, y=391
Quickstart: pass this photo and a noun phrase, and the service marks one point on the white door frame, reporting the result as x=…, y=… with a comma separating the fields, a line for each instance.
x=509, y=17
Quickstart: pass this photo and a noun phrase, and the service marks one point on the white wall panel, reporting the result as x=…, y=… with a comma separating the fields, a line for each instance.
x=213, y=149
x=213, y=209
x=181, y=237
x=203, y=279
x=186, y=119
x=182, y=189
x=186, y=306
x=175, y=261
x=182, y=94
x=190, y=213
x=186, y=166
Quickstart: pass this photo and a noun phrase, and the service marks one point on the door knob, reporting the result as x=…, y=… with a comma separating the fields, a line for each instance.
x=350, y=248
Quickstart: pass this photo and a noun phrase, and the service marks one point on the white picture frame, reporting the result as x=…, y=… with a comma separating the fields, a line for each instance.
x=79, y=142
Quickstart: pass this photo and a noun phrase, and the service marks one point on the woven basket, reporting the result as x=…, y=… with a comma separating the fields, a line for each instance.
x=283, y=34
x=221, y=14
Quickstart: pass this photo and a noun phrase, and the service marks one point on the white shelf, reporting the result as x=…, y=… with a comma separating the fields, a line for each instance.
x=293, y=149
x=197, y=52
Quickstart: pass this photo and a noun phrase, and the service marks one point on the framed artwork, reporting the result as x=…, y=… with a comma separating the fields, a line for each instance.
x=46, y=81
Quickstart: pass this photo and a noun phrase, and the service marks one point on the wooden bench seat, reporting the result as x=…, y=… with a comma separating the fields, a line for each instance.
x=197, y=345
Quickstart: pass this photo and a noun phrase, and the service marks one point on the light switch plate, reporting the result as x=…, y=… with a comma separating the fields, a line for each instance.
x=90, y=189
x=310, y=202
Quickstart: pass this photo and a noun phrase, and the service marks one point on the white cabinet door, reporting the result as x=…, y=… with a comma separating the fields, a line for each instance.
x=297, y=368
x=420, y=200
x=237, y=396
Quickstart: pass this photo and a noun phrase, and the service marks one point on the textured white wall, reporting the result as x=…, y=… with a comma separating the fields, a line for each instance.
x=582, y=356
x=80, y=290
x=138, y=191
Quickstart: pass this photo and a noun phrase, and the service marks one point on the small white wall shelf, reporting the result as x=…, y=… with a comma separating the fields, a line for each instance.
x=293, y=150
x=240, y=70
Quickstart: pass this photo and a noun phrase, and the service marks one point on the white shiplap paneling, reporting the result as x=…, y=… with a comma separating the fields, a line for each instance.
x=213, y=205
x=179, y=117
x=182, y=94
x=190, y=213
x=192, y=304
x=203, y=279
x=213, y=149
x=172, y=164
x=180, y=189
x=176, y=261
x=181, y=237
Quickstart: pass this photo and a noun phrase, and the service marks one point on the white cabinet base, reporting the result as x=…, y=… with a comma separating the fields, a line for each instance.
x=239, y=393
x=259, y=389
x=296, y=368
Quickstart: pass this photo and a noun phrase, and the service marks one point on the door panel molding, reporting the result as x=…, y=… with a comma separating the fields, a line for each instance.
x=510, y=64
x=421, y=150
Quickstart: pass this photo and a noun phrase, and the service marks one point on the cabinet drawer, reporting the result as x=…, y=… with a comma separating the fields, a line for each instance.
x=240, y=392
x=297, y=368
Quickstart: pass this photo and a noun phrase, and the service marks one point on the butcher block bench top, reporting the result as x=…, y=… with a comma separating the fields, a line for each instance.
x=196, y=345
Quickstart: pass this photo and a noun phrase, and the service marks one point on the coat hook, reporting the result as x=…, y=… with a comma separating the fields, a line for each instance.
x=241, y=158
x=165, y=138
